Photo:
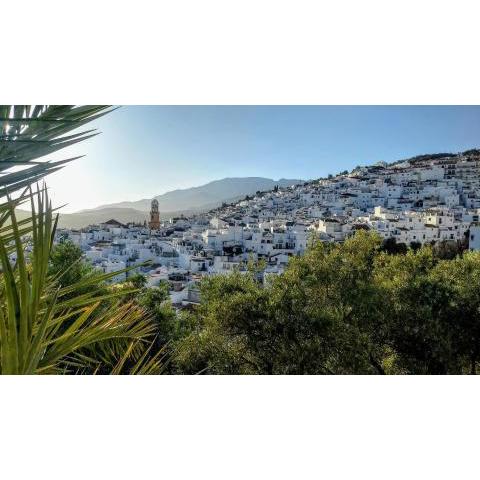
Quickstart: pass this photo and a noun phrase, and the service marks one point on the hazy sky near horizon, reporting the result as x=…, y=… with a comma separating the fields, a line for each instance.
x=145, y=151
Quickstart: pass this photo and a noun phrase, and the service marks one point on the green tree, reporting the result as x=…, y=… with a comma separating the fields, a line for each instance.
x=328, y=300
x=346, y=308
x=321, y=316
x=137, y=280
x=156, y=302
x=224, y=328
x=461, y=279
x=418, y=328
x=67, y=265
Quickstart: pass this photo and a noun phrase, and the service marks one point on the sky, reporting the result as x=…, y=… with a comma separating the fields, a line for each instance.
x=144, y=151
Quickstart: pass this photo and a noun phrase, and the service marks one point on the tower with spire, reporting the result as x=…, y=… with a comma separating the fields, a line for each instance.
x=154, y=223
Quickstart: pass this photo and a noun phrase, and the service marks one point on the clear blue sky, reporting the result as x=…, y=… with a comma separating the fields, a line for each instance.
x=147, y=150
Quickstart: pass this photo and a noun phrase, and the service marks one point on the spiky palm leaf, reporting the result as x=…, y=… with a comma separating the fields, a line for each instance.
x=29, y=132
x=43, y=327
x=134, y=357
x=38, y=331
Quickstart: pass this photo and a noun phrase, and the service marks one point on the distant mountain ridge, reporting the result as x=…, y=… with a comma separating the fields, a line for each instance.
x=205, y=196
x=181, y=201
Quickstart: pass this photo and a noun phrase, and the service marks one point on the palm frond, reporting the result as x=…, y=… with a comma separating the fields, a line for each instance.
x=29, y=132
x=37, y=330
x=44, y=327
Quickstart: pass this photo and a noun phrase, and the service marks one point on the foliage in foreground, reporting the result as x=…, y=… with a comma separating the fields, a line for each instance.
x=348, y=308
x=44, y=325
x=55, y=319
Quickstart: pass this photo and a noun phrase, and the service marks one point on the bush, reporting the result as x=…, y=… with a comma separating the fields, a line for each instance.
x=352, y=308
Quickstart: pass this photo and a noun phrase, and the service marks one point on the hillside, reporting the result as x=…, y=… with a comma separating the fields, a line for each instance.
x=208, y=197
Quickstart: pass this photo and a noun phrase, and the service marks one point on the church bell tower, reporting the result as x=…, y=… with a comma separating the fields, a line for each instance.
x=154, y=223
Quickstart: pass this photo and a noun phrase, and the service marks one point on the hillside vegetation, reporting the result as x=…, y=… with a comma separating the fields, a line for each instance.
x=351, y=308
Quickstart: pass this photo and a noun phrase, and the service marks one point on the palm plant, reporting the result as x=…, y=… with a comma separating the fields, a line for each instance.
x=45, y=327
x=29, y=132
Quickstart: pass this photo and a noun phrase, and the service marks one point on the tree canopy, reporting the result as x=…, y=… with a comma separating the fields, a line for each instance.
x=351, y=308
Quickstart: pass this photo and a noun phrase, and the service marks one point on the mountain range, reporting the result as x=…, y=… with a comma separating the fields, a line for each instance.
x=182, y=201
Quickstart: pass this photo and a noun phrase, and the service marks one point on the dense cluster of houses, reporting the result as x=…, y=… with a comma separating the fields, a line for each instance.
x=427, y=199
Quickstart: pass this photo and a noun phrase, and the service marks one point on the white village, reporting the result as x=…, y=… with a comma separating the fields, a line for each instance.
x=424, y=200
